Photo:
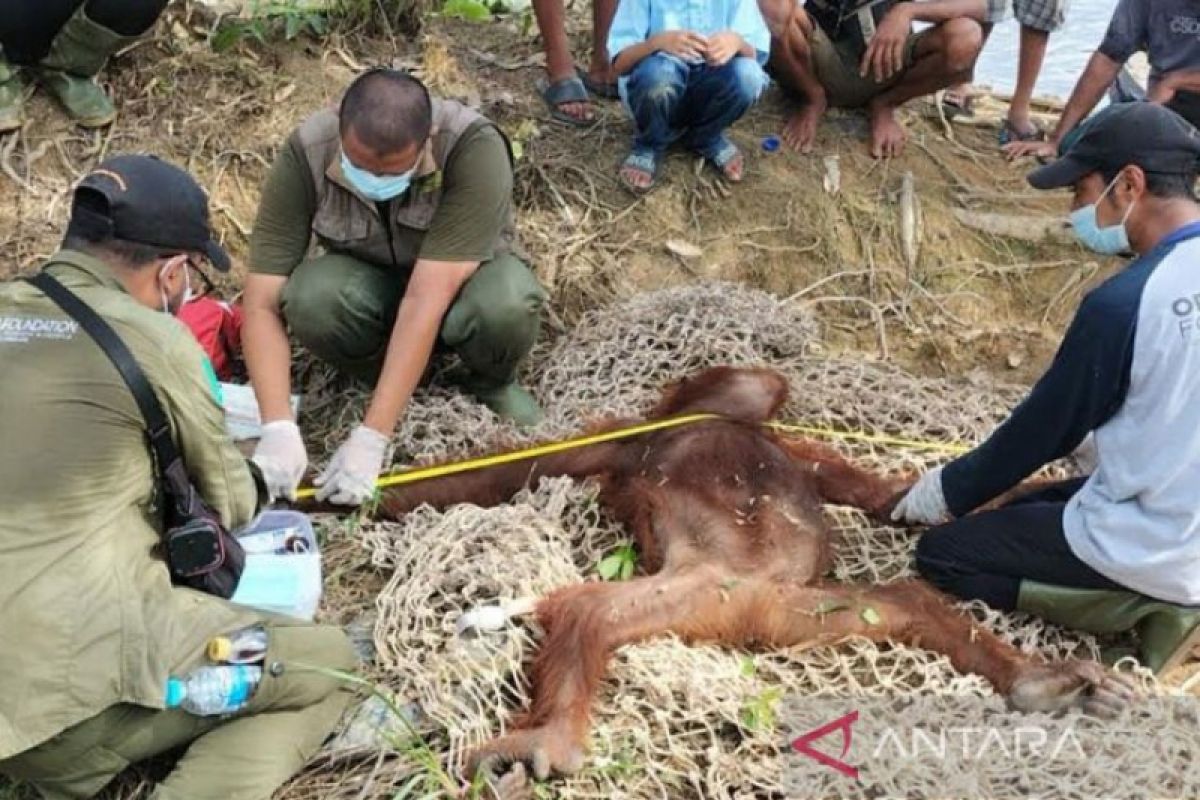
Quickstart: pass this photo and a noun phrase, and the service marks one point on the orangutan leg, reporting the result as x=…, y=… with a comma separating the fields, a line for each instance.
x=584, y=624
x=915, y=614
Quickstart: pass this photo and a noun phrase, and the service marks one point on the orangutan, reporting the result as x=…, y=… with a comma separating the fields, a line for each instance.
x=727, y=516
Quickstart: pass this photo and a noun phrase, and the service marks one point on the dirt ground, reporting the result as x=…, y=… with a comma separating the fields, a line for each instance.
x=964, y=301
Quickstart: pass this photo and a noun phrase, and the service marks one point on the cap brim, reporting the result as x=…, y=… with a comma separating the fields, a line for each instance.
x=217, y=256
x=1065, y=171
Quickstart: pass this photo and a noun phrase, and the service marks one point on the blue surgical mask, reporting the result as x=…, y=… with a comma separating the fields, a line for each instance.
x=378, y=188
x=1107, y=241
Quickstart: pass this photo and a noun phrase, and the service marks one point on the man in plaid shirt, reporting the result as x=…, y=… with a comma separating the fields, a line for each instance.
x=1038, y=19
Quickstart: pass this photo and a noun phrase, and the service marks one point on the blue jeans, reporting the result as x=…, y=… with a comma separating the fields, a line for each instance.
x=670, y=99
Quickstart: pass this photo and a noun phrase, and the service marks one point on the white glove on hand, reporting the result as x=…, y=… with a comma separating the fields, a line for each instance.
x=281, y=457
x=350, y=477
x=925, y=504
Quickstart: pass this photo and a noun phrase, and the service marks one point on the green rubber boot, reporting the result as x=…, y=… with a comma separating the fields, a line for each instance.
x=1168, y=634
x=509, y=401
x=68, y=71
x=12, y=96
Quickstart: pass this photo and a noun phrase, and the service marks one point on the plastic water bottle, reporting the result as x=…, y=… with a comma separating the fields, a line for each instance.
x=247, y=646
x=214, y=691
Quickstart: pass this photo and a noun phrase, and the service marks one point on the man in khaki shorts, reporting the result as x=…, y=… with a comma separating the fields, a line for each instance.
x=856, y=54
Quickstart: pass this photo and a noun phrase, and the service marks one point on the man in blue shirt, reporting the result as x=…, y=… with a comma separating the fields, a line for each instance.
x=858, y=54
x=1119, y=549
x=687, y=70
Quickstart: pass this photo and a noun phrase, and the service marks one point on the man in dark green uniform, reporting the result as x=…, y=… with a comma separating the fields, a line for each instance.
x=90, y=624
x=409, y=199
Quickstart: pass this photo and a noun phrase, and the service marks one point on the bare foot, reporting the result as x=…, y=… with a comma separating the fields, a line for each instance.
x=734, y=169
x=550, y=750
x=639, y=171
x=800, y=132
x=1084, y=684
x=580, y=111
x=887, y=135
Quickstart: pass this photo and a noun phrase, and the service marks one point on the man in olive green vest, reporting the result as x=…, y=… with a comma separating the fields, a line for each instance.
x=409, y=199
x=91, y=625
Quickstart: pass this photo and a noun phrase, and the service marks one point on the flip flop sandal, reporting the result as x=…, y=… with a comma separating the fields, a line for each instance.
x=720, y=157
x=955, y=106
x=601, y=89
x=644, y=161
x=557, y=94
x=1009, y=134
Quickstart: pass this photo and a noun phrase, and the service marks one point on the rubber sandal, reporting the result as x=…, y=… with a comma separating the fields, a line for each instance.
x=605, y=91
x=954, y=105
x=1009, y=134
x=645, y=161
x=567, y=90
x=721, y=154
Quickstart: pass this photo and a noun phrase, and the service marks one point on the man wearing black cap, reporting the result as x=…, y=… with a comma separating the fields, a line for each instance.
x=1120, y=549
x=92, y=626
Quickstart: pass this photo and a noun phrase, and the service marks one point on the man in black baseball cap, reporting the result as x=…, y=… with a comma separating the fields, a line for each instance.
x=1120, y=548
x=102, y=626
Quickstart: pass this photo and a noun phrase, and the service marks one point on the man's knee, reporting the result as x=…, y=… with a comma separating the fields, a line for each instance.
x=659, y=78
x=777, y=14
x=301, y=665
x=962, y=43
x=336, y=308
x=748, y=79
x=502, y=296
x=935, y=561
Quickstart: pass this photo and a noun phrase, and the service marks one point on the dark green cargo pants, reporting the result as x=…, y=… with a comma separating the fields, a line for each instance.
x=343, y=310
x=245, y=757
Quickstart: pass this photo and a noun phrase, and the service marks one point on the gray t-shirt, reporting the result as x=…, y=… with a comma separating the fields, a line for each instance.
x=1168, y=30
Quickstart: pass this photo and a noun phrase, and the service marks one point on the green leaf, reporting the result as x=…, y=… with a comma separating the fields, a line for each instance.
x=610, y=566
x=470, y=10
x=225, y=37
x=627, y=569
x=291, y=26
x=318, y=24
x=871, y=616
x=748, y=667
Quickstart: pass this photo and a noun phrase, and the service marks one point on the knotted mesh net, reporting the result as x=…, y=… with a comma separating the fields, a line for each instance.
x=696, y=721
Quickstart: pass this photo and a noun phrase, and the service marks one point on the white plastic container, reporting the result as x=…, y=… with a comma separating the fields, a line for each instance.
x=284, y=581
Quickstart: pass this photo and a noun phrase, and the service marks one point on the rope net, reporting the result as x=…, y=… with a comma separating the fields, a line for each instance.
x=673, y=720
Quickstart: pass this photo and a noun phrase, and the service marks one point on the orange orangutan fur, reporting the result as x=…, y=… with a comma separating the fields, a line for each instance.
x=727, y=516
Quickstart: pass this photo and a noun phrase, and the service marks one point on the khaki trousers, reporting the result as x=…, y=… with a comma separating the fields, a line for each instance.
x=244, y=757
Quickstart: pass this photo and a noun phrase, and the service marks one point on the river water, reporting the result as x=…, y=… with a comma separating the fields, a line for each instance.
x=1070, y=48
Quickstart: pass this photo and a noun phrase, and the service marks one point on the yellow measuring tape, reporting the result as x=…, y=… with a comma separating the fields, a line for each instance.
x=483, y=462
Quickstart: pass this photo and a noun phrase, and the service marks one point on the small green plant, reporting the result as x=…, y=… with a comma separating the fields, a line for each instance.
x=759, y=713
x=265, y=20
x=618, y=565
x=470, y=10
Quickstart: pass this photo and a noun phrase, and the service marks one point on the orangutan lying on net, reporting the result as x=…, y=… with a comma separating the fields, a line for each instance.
x=727, y=516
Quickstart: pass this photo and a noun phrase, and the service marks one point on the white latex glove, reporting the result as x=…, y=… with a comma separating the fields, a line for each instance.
x=925, y=504
x=281, y=457
x=350, y=477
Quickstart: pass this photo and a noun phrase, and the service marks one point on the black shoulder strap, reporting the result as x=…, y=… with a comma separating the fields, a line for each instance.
x=165, y=453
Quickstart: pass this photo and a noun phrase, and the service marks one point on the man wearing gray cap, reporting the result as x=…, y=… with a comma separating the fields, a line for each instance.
x=92, y=624
x=1119, y=549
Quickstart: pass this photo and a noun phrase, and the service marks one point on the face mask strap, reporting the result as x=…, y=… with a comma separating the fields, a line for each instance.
x=187, y=286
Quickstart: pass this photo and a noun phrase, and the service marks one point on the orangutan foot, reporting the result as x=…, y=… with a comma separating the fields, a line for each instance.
x=549, y=749
x=1072, y=684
